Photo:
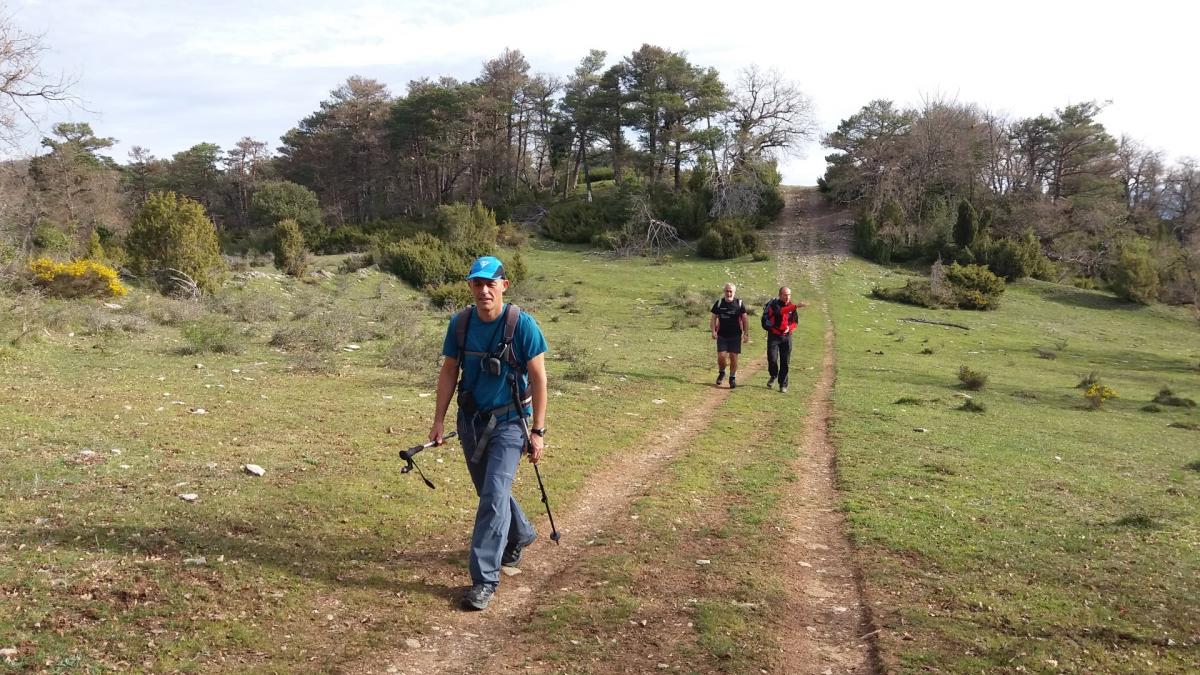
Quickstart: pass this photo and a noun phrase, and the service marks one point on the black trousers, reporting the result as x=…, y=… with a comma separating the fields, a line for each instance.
x=779, y=353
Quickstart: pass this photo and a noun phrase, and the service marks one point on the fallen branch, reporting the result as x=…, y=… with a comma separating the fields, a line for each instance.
x=938, y=323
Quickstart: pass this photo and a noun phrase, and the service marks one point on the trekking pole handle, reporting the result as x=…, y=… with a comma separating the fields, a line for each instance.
x=408, y=454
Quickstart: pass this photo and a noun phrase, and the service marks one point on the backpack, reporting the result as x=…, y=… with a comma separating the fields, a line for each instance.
x=463, y=319
x=767, y=322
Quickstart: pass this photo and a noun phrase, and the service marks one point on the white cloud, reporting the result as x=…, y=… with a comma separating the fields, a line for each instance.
x=170, y=74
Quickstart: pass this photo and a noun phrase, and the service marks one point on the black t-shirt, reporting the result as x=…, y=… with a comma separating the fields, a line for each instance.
x=727, y=314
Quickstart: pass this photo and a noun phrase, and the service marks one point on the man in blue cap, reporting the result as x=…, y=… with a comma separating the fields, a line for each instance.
x=494, y=344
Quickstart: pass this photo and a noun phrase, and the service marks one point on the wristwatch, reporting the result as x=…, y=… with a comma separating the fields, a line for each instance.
x=540, y=432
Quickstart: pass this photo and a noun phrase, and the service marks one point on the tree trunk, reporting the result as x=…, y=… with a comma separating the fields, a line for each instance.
x=678, y=161
x=587, y=176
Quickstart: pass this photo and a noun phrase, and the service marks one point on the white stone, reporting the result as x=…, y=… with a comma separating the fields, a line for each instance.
x=189, y=496
x=254, y=469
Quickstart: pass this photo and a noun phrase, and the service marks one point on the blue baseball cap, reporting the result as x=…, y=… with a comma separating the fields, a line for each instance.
x=486, y=267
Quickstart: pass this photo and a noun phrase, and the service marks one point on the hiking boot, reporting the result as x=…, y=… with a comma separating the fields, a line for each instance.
x=720, y=377
x=732, y=382
x=782, y=389
x=770, y=382
x=512, y=552
x=478, y=596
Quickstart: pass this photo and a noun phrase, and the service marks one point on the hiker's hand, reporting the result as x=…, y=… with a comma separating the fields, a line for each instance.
x=536, y=445
x=745, y=337
x=714, y=335
x=435, y=433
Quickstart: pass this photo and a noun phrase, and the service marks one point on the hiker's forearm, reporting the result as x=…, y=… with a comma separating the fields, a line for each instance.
x=537, y=389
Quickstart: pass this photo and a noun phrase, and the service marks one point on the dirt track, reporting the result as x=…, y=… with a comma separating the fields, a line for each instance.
x=826, y=627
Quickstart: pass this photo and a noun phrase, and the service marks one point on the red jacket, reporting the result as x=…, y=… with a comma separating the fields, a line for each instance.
x=782, y=319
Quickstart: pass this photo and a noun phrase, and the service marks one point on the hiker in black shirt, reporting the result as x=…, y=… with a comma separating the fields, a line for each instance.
x=729, y=330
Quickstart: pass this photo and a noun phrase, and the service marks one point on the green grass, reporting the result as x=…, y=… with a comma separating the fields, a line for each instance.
x=326, y=557
x=1038, y=531
x=1033, y=532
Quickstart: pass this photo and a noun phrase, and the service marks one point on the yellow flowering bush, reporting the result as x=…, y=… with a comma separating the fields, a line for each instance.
x=76, y=279
x=1098, y=393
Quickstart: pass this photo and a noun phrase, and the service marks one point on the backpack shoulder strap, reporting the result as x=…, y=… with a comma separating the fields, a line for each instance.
x=461, y=321
x=511, y=319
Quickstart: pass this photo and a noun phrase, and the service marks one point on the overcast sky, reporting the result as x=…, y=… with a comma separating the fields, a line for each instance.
x=168, y=74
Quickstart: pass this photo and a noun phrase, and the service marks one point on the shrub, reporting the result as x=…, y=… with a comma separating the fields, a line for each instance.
x=48, y=237
x=247, y=305
x=163, y=311
x=728, y=238
x=345, y=239
x=471, y=229
x=1167, y=397
x=423, y=260
x=173, y=232
x=581, y=366
x=1133, y=275
x=599, y=173
x=414, y=351
x=316, y=332
x=512, y=235
x=575, y=221
x=760, y=256
x=972, y=379
x=95, y=250
x=290, y=254
x=1016, y=259
x=278, y=200
x=354, y=263
x=450, y=296
x=515, y=268
x=971, y=405
x=914, y=292
x=215, y=336
x=686, y=210
x=1097, y=394
x=974, y=286
x=1088, y=380
x=864, y=234
x=81, y=278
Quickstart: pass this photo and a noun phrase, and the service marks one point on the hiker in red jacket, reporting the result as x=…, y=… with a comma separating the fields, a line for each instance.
x=780, y=319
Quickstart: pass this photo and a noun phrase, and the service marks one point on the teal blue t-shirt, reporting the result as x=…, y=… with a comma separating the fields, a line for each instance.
x=490, y=391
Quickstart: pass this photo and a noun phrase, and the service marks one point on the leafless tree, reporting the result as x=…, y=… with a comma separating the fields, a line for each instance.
x=22, y=81
x=770, y=116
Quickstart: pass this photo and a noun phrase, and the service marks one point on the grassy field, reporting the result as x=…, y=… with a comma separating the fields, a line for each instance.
x=108, y=415
x=1037, y=534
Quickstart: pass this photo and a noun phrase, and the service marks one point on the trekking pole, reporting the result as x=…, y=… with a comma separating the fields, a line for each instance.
x=554, y=536
x=407, y=456
x=516, y=394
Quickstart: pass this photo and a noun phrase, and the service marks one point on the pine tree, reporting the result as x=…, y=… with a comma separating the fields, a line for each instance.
x=967, y=225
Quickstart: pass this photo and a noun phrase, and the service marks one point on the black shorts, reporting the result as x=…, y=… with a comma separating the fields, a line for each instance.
x=731, y=345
